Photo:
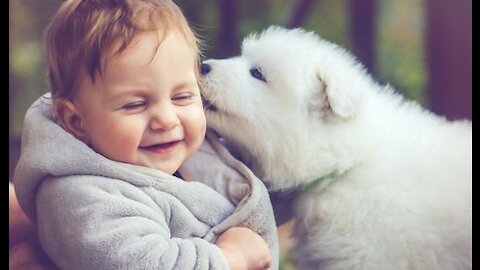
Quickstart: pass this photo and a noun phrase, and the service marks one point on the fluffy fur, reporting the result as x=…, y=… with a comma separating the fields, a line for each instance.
x=298, y=107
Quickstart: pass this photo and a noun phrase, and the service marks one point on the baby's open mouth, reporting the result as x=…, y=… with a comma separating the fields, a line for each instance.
x=160, y=147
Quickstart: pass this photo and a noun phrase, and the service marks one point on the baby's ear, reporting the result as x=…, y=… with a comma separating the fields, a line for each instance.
x=342, y=94
x=70, y=118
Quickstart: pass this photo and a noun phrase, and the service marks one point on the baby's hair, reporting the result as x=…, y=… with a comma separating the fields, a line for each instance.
x=84, y=33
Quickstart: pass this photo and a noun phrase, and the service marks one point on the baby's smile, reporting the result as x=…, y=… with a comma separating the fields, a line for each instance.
x=161, y=148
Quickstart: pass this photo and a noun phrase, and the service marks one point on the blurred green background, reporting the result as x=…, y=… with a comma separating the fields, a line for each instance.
x=421, y=47
x=400, y=57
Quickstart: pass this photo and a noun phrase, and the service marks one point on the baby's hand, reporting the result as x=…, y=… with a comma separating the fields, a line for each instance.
x=244, y=249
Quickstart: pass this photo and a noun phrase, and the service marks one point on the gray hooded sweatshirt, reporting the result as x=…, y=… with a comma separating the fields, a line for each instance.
x=95, y=213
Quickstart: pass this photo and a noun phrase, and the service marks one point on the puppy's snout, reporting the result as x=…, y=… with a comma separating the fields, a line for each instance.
x=205, y=68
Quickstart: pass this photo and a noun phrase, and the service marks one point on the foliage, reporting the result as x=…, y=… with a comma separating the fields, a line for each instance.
x=400, y=44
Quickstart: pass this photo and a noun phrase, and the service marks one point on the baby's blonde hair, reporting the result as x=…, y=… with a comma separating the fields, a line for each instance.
x=83, y=33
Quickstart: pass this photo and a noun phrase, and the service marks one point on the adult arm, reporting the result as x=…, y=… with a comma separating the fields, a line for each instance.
x=20, y=228
x=24, y=250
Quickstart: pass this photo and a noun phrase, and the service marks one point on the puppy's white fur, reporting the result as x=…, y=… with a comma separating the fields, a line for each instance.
x=402, y=195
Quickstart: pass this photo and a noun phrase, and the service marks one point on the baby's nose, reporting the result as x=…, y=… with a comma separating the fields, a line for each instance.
x=205, y=68
x=164, y=118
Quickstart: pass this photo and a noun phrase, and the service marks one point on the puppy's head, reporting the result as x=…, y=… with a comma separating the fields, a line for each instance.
x=285, y=86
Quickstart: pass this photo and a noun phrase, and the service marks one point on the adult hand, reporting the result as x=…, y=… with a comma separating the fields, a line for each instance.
x=24, y=252
x=28, y=255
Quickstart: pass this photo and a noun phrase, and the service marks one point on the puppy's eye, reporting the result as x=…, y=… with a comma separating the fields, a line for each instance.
x=256, y=72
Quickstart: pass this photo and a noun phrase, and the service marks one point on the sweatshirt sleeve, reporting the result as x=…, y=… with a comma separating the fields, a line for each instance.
x=85, y=224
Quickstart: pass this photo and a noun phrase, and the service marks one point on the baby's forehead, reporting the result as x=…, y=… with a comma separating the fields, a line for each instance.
x=145, y=48
x=146, y=44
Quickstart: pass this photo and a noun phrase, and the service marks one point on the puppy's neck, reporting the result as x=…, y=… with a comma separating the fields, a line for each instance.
x=309, y=187
x=295, y=165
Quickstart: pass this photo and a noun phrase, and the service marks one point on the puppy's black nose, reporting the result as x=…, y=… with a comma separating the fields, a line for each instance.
x=205, y=68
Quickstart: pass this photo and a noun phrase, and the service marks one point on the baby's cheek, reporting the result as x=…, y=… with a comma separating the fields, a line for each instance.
x=197, y=127
x=122, y=144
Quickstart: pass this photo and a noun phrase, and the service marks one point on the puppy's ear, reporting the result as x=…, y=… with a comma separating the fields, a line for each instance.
x=70, y=118
x=341, y=94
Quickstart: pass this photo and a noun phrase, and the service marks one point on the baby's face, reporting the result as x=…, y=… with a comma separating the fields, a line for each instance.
x=145, y=108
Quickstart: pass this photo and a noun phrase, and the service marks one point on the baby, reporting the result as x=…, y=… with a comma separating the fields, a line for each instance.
x=116, y=170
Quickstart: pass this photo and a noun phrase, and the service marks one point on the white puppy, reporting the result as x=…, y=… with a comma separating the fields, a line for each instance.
x=386, y=184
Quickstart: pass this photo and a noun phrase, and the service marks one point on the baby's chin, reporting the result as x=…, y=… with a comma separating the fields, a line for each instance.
x=166, y=167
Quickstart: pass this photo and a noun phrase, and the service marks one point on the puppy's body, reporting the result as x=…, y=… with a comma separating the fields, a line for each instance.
x=397, y=192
